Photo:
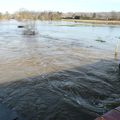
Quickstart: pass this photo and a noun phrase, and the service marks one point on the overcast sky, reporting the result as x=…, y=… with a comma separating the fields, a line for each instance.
x=60, y=5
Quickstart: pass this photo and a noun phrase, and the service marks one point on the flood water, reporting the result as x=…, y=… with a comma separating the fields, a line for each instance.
x=66, y=72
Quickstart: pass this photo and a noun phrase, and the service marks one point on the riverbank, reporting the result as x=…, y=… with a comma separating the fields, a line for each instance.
x=94, y=21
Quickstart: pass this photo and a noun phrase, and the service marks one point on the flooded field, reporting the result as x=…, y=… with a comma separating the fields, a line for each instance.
x=66, y=72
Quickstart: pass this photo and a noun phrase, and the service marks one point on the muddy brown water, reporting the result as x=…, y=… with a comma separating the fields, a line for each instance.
x=62, y=73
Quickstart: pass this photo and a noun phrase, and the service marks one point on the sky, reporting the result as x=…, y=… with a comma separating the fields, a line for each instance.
x=60, y=5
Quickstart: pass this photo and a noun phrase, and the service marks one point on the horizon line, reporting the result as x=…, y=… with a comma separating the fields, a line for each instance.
x=24, y=9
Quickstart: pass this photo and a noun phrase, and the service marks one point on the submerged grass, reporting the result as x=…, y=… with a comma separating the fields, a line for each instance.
x=117, y=50
x=73, y=25
x=99, y=39
x=112, y=105
x=81, y=24
x=87, y=24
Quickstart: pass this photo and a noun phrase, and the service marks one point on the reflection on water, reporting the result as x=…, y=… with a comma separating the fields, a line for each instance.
x=65, y=73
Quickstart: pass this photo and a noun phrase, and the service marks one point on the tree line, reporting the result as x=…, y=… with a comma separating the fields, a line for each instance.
x=93, y=15
x=25, y=14
x=49, y=15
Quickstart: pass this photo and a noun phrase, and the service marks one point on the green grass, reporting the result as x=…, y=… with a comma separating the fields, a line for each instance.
x=112, y=105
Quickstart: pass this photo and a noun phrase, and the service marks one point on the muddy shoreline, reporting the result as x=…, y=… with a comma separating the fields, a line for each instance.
x=104, y=22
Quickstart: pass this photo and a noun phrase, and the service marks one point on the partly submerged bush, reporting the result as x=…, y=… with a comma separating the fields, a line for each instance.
x=30, y=28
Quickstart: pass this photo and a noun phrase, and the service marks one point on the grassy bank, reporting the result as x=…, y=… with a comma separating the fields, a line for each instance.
x=94, y=21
